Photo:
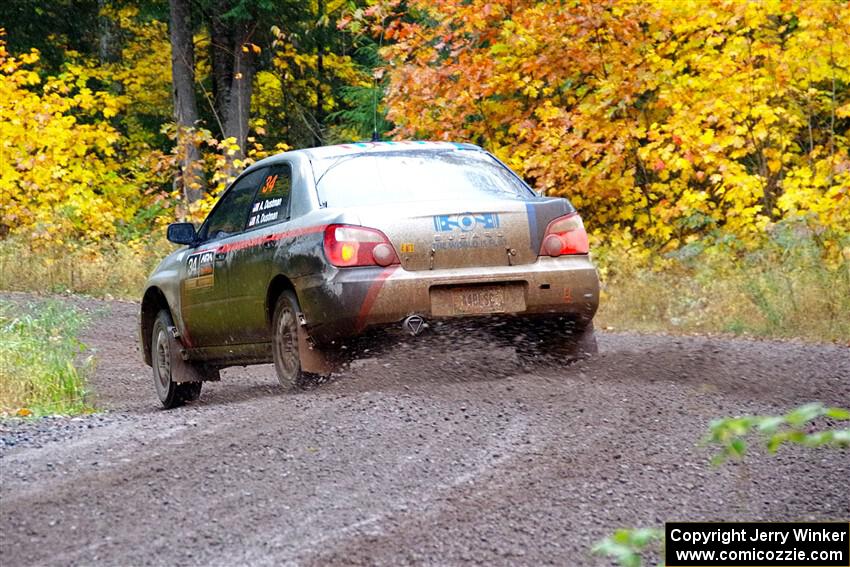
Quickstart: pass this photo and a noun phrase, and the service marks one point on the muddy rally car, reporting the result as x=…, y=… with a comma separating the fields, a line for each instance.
x=310, y=248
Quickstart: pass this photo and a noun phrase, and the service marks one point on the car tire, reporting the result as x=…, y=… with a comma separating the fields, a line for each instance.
x=287, y=361
x=164, y=350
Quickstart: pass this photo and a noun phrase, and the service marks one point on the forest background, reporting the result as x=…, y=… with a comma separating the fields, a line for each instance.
x=706, y=142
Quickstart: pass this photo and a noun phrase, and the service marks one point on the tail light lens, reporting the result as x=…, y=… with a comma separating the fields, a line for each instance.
x=565, y=235
x=347, y=246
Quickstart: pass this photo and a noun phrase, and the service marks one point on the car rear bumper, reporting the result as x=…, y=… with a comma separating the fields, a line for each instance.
x=349, y=301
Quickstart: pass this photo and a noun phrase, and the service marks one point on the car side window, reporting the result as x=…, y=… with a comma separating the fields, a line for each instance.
x=271, y=202
x=229, y=216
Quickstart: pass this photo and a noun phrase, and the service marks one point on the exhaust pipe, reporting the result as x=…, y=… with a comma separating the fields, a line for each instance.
x=414, y=325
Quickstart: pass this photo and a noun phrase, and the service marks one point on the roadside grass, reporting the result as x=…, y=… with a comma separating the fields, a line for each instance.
x=110, y=269
x=43, y=365
x=776, y=291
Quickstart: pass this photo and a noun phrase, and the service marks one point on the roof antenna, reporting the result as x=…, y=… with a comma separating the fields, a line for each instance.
x=375, y=136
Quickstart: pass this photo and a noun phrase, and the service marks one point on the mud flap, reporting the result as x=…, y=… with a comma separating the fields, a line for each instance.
x=183, y=370
x=313, y=359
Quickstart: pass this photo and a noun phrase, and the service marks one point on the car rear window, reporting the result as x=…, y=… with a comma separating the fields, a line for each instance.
x=394, y=177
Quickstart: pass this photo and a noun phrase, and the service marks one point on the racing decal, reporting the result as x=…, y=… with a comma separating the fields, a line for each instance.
x=259, y=240
x=272, y=200
x=261, y=212
x=200, y=270
x=268, y=186
x=539, y=212
x=474, y=241
x=372, y=295
x=466, y=222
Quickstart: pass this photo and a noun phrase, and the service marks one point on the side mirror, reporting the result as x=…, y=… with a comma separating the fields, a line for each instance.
x=181, y=233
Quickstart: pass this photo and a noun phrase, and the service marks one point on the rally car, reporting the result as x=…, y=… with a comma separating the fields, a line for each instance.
x=311, y=247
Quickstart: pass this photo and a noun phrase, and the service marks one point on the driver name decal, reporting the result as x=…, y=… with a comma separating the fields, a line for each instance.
x=258, y=216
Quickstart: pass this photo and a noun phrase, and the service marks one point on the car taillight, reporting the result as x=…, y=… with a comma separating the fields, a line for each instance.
x=347, y=246
x=565, y=235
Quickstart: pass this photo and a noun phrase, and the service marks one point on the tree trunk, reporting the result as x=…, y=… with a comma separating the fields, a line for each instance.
x=221, y=55
x=107, y=41
x=185, y=105
x=238, y=108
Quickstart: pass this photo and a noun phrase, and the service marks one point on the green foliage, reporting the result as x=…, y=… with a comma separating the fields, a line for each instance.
x=324, y=90
x=43, y=369
x=53, y=27
x=794, y=427
x=626, y=546
x=362, y=111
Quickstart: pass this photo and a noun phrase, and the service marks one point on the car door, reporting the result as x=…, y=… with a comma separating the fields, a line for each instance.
x=250, y=269
x=204, y=287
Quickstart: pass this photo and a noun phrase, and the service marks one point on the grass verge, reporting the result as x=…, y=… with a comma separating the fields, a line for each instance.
x=110, y=269
x=782, y=289
x=43, y=365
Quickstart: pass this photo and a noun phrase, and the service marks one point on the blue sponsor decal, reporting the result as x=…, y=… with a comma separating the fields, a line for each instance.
x=466, y=222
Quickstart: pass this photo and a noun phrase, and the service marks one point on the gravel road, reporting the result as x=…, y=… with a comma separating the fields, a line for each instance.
x=438, y=452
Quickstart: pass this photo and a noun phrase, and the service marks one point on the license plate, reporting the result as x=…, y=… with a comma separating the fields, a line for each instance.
x=450, y=301
x=490, y=299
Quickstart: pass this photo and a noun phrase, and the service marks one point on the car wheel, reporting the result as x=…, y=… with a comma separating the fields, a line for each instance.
x=287, y=361
x=165, y=348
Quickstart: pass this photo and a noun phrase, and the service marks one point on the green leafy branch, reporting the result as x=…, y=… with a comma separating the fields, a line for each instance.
x=729, y=433
x=626, y=545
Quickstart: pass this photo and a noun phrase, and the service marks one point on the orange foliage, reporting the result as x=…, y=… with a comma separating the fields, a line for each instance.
x=663, y=121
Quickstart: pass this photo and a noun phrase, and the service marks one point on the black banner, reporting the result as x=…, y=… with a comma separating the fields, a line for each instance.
x=757, y=544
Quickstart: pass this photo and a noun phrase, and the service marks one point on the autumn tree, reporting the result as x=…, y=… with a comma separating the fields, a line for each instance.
x=666, y=122
x=59, y=172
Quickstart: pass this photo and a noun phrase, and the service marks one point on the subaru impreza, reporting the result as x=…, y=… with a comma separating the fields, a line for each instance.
x=310, y=248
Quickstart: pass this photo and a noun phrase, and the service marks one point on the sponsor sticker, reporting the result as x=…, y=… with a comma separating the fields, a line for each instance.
x=466, y=222
x=476, y=241
x=200, y=270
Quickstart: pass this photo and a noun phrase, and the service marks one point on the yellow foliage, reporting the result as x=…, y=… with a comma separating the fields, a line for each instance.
x=59, y=175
